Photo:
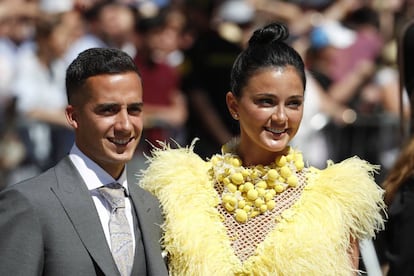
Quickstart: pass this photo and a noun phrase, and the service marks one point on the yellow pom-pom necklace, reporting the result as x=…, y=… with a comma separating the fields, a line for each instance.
x=250, y=191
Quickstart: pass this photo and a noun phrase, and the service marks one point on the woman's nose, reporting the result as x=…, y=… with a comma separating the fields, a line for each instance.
x=279, y=114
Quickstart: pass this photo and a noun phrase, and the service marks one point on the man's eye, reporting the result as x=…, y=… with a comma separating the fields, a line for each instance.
x=107, y=110
x=111, y=109
x=135, y=109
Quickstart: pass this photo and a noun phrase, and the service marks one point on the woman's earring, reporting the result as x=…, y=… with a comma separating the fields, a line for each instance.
x=236, y=116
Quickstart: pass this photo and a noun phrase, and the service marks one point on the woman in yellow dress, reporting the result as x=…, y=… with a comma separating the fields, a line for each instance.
x=256, y=208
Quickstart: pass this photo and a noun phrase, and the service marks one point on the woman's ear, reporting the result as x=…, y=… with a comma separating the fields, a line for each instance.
x=71, y=117
x=232, y=105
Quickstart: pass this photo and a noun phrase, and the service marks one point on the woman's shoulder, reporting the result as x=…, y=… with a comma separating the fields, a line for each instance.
x=167, y=154
x=351, y=185
x=171, y=164
x=350, y=177
x=348, y=168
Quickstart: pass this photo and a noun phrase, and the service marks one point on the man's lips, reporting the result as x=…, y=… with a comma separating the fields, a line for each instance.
x=121, y=141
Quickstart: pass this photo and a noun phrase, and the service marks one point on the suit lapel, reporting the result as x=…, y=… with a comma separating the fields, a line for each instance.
x=147, y=213
x=78, y=204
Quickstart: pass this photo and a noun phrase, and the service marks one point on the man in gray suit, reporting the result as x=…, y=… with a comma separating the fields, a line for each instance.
x=57, y=223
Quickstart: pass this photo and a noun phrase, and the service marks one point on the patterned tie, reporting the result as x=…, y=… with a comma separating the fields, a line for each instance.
x=120, y=232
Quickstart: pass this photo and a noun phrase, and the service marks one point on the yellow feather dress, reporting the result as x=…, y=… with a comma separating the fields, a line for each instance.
x=310, y=237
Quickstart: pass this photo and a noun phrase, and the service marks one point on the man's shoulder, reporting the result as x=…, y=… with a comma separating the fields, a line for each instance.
x=31, y=184
x=42, y=180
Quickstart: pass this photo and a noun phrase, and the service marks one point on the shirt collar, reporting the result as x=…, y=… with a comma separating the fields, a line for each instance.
x=92, y=174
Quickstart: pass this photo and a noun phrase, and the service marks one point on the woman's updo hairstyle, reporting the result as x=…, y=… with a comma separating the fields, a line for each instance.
x=266, y=48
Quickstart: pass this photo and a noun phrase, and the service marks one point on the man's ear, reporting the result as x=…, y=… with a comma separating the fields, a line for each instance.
x=71, y=116
x=232, y=105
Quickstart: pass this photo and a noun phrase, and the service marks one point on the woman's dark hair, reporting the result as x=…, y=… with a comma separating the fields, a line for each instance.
x=266, y=48
x=93, y=62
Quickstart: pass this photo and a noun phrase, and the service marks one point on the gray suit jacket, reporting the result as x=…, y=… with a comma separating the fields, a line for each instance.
x=49, y=226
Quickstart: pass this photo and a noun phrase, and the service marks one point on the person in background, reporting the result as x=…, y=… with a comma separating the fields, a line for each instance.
x=38, y=86
x=207, y=66
x=102, y=24
x=60, y=222
x=399, y=181
x=165, y=104
x=399, y=194
x=16, y=18
x=255, y=208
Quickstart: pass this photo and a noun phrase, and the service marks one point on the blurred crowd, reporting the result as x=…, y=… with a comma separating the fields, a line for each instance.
x=184, y=50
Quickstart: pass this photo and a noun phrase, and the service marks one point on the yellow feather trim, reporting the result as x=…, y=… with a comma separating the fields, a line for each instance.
x=311, y=238
x=351, y=183
x=178, y=177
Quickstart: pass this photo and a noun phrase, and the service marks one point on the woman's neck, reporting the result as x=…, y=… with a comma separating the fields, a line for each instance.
x=252, y=156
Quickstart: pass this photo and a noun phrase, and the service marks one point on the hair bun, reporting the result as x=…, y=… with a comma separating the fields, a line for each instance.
x=274, y=32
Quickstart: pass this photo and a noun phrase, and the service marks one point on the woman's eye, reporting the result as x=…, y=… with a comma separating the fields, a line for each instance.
x=295, y=103
x=265, y=101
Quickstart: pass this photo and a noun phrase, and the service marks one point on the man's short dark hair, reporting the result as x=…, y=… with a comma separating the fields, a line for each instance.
x=96, y=61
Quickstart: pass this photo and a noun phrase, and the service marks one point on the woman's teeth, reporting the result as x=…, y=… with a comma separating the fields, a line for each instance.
x=276, y=131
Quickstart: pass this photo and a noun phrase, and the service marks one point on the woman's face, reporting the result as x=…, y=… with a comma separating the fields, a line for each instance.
x=270, y=110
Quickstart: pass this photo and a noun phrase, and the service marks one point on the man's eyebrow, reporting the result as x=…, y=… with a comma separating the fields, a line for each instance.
x=106, y=105
x=139, y=104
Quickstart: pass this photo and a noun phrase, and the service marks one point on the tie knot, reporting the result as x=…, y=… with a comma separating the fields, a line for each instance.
x=114, y=194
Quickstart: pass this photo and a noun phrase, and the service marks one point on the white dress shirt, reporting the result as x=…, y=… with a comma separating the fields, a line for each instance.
x=94, y=177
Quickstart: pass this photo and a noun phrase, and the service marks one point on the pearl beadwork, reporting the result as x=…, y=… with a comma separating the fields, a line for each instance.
x=251, y=191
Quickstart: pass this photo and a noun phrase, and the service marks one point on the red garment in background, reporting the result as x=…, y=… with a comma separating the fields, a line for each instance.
x=367, y=46
x=160, y=82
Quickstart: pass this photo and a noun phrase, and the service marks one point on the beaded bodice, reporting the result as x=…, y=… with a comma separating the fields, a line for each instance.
x=245, y=237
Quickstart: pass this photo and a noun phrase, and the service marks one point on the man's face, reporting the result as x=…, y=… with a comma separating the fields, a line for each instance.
x=107, y=119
